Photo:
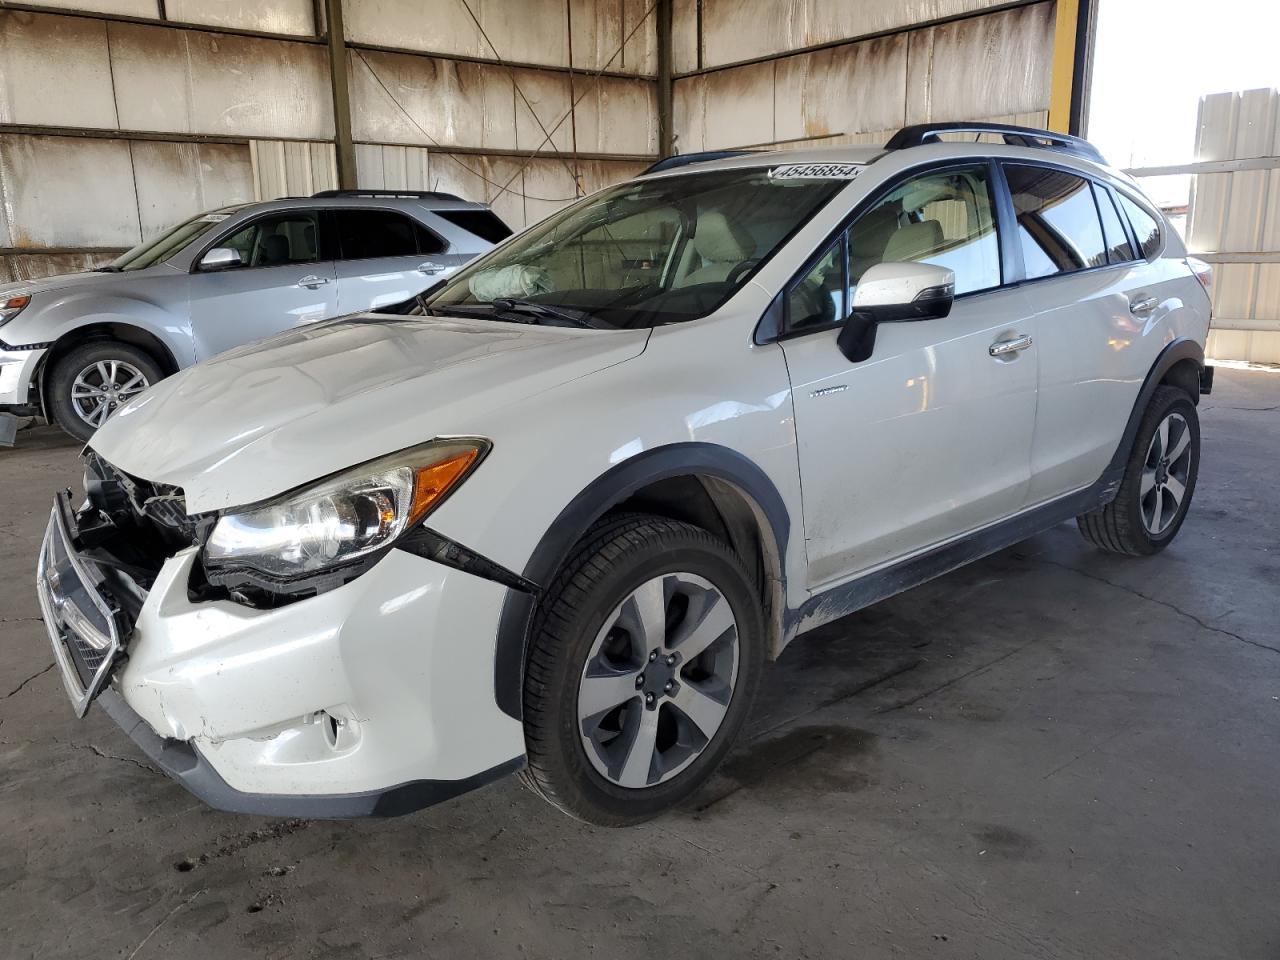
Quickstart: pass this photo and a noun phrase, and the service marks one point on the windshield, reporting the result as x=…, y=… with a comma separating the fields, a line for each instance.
x=643, y=253
x=170, y=242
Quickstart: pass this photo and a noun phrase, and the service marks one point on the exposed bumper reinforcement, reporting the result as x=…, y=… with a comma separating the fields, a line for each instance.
x=184, y=763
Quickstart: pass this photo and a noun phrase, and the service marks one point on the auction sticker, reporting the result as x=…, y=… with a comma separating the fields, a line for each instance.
x=816, y=171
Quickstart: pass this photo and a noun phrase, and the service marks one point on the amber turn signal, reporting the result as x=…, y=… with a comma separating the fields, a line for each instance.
x=431, y=483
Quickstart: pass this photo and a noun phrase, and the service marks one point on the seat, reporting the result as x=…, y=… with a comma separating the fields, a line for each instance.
x=868, y=239
x=914, y=241
x=721, y=245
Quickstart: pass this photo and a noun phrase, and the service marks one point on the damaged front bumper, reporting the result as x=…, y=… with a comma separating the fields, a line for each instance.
x=374, y=698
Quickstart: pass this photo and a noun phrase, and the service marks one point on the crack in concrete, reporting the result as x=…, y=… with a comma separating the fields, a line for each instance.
x=18, y=688
x=954, y=680
x=21, y=619
x=167, y=917
x=1223, y=406
x=1162, y=603
x=98, y=751
x=274, y=832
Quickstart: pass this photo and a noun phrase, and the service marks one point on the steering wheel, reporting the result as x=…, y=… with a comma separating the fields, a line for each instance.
x=741, y=269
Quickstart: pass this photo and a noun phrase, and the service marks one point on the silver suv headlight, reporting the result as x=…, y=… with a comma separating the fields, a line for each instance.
x=345, y=516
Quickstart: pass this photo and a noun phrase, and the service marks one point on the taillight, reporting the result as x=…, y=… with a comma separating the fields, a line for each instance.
x=1204, y=273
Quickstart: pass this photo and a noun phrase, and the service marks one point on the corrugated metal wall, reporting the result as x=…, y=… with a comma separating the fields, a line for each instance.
x=1234, y=221
x=119, y=118
x=748, y=72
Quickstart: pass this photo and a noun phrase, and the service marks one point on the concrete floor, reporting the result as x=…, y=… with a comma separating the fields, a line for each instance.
x=1051, y=753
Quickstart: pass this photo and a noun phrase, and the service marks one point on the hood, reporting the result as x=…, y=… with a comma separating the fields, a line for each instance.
x=263, y=419
x=63, y=281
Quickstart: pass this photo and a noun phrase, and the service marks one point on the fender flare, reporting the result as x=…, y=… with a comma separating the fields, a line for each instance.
x=1183, y=348
x=606, y=491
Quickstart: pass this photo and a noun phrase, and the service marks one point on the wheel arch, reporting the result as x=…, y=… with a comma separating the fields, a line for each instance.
x=121, y=331
x=1178, y=364
x=704, y=484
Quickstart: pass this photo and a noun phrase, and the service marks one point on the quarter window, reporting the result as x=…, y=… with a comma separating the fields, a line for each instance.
x=1145, y=227
x=818, y=299
x=1058, y=226
x=277, y=240
x=945, y=218
x=1119, y=249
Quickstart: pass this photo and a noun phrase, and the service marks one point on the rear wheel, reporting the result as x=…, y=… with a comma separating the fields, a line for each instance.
x=645, y=655
x=90, y=382
x=1159, y=479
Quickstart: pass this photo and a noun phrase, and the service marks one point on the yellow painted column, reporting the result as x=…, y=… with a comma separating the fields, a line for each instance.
x=1064, y=65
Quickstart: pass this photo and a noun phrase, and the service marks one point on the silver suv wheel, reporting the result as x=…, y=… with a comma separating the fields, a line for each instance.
x=658, y=680
x=102, y=386
x=1165, y=473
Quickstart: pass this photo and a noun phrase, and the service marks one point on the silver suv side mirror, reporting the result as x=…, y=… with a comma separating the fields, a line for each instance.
x=220, y=258
x=892, y=293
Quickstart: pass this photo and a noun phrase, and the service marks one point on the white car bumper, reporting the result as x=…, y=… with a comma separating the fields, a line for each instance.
x=17, y=369
x=373, y=698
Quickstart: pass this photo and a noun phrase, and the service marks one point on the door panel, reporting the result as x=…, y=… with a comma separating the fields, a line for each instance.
x=283, y=283
x=927, y=439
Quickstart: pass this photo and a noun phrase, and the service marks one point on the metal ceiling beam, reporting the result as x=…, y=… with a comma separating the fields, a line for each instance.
x=345, y=148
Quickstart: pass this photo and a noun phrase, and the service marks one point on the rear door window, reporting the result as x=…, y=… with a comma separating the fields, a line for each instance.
x=371, y=234
x=1058, y=226
x=1119, y=249
x=1145, y=227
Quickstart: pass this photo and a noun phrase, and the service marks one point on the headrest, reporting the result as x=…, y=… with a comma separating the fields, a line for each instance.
x=869, y=235
x=719, y=241
x=275, y=248
x=913, y=241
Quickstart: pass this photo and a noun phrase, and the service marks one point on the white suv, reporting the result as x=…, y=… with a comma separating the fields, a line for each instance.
x=560, y=521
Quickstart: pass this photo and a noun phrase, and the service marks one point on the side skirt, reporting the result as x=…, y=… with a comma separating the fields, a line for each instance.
x=856, y=594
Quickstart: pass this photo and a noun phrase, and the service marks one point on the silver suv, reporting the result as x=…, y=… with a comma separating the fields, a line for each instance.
x=75, y=347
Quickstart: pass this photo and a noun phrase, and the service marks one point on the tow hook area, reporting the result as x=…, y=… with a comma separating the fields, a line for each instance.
x=1206, y=380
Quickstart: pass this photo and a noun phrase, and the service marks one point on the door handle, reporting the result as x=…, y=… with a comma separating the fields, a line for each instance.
x=1002, y=348
x=430, y=268
x=1143, y=305
x=312, y=282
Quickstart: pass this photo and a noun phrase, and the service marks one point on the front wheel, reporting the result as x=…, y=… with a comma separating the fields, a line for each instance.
x=645, y=655
x=90, y=382
x=1159, y=479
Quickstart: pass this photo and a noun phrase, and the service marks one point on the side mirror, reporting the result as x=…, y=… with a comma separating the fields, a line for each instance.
x=220, y=258
x=892, y=293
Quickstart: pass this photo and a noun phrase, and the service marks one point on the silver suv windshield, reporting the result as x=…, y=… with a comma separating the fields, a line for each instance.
x=640, y=254
x=163, y=247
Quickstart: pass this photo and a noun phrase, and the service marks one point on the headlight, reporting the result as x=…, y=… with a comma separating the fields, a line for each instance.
x=12, y=307
x=344, y=517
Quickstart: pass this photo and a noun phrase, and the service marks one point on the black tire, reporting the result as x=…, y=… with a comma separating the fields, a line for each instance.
x=62, y=408
x=1120, y=527
x=615, y=557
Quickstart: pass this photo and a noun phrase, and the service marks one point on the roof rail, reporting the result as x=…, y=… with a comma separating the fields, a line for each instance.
x=922, y=133
x=684, y=159
x=413, y=194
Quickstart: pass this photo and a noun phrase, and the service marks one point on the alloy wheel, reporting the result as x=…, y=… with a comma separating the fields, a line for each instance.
x=1164, y=474
x=658, y=680
x=103, y=386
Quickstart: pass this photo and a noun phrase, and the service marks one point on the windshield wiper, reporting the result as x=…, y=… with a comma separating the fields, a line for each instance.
x=109, y=268
x=545, y=311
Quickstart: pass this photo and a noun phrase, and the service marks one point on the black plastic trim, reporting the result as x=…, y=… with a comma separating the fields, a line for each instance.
x=1206, y=380
x=684, y=159
x=606, y=491
x=24, y=347
x=183, y=762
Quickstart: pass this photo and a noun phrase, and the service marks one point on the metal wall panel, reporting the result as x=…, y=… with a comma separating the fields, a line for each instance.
x=36, y=266
x=179, y=180
x=616, y=116
x=291, y=168
x=127, y=8
x=684, y=35
x=534, y=31
x=221, y=84
x=995, y=65
x=1234, y=220
x=275, y=16
x=735, y=30
x=67, y=192
x=54, y=70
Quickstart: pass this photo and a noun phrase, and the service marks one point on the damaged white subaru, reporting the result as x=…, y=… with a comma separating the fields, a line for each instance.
x=557, y=521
